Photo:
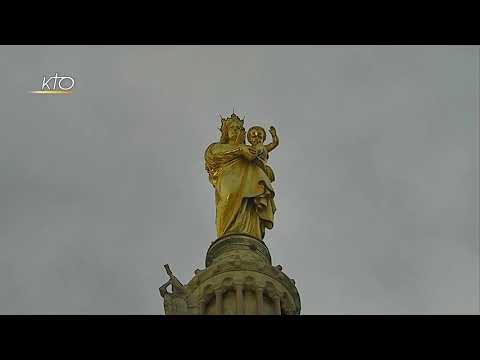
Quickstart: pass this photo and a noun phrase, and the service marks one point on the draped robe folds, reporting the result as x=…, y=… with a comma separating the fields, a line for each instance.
x=243, y=192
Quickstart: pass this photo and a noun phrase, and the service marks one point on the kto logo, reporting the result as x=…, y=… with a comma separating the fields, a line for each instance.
x=56, y=85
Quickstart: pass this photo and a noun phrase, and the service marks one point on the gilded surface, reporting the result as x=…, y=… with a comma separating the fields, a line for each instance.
x=244, y=195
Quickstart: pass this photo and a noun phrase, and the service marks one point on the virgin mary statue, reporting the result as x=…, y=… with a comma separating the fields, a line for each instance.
x=243, y=191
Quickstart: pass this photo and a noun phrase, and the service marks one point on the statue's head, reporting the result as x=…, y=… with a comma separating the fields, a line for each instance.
x=231, y=128
x=256, y=135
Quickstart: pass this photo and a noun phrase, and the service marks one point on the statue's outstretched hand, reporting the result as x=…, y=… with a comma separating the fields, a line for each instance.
x=272, y=131
x=248, y=152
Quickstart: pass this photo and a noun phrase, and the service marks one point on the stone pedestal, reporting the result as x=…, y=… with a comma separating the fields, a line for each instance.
x=239, y=279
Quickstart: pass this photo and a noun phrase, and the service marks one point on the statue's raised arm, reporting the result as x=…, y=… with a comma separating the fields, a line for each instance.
x=275, y=140
x=175, y=302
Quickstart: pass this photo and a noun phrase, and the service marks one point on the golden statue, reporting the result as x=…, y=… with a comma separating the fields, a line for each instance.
x=242, y=179
x=239, y=277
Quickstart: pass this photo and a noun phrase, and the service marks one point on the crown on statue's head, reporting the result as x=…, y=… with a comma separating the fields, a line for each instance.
x=231, y=118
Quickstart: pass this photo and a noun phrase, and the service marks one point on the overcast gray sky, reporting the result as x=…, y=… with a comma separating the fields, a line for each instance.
x=376, y=173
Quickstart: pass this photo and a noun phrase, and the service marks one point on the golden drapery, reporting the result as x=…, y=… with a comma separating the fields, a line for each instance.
x=243, y=192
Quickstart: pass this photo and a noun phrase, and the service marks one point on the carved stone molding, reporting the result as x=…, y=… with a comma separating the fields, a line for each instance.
x=238, y=281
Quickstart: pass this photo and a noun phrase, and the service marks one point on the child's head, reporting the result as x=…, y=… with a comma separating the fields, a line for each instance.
x=256, y=135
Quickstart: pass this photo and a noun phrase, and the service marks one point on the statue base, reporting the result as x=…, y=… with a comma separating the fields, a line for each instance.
x=239, y=279
x=245, y=246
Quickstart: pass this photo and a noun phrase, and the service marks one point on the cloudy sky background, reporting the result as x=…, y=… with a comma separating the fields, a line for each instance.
x=377, y=173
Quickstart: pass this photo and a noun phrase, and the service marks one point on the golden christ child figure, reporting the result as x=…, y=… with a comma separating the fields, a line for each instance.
x=256, y=136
